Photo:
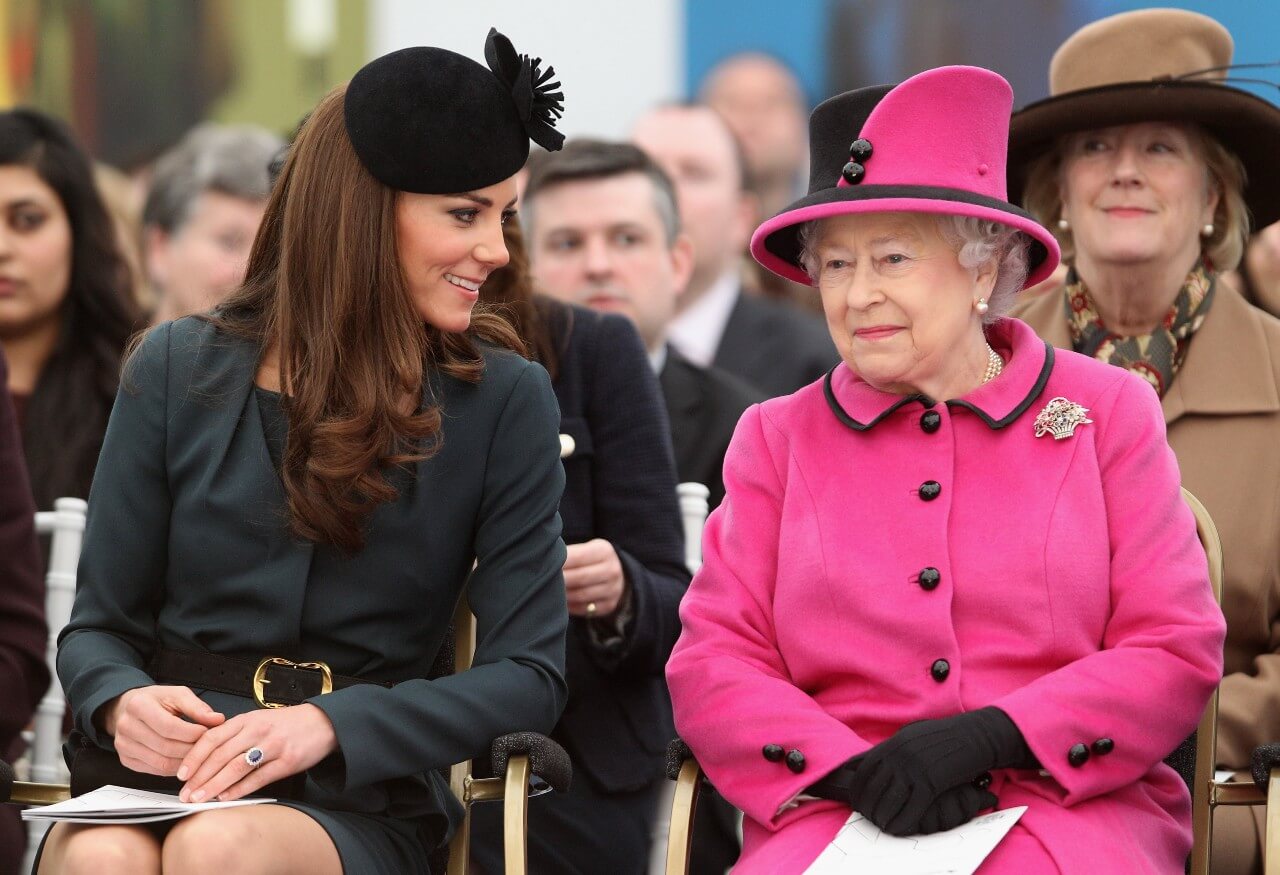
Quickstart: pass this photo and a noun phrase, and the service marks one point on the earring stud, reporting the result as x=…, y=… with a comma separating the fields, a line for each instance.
x=1064, y=225
x=1207, y=230
x=982, y=306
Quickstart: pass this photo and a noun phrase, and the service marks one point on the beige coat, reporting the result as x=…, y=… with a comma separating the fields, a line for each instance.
x=1223, y=416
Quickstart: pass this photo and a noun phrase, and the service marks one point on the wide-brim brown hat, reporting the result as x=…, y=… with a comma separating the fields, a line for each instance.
x=1152, y=65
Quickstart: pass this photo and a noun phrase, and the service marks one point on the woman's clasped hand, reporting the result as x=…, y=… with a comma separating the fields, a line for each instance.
x=291, y=740
x=926, y=776
x=156, y=727
x=169, y=731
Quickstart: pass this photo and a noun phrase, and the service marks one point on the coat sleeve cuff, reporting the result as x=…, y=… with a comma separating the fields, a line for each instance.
x=778, y=804
x=609, y=648
x=121, y=680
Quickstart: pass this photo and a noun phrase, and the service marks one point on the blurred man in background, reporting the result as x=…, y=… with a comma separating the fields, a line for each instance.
x=772, y=345
x=763, y=103
x=205, y=203
x=604, y=232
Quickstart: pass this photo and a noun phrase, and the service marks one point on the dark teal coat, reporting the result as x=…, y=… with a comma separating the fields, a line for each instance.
x=187, y=547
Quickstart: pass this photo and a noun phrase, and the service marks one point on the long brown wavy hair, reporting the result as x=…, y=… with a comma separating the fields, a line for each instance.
x=509, y=291
x=326, y=294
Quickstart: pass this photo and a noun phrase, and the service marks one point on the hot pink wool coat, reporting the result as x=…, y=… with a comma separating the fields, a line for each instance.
x=1073, y=594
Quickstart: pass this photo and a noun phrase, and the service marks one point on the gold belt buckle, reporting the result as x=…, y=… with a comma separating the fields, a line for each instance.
x=260, y=678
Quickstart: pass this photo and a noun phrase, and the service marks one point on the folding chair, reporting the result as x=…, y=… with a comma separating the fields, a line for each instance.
x=1263, y=790
x=1202, y=791
x=693, y=513
x=65, y=527
x=522, y=758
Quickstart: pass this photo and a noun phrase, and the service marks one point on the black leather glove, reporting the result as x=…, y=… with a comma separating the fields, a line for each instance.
x=898, y=780
x=954, y=807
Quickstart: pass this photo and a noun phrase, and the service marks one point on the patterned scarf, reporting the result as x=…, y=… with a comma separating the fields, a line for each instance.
x=1155, y=357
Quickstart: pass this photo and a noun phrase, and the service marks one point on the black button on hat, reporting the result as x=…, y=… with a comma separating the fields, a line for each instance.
x=1078, y=755
x=1103, y=746
x=431, y=121
x=860, y=150
x=853, y=172
x=795, y=761
x=940, y=669
x=773, y=752
x=929, y=490
x=929, y=579
x=930, y=421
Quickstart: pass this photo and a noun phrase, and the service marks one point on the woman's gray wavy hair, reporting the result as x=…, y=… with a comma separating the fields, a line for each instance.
x=977, y=242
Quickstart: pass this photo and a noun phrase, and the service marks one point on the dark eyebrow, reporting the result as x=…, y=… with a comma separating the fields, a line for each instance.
x=482, y=201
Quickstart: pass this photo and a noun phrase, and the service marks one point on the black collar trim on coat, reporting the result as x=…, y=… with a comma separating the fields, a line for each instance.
x=1041, y=381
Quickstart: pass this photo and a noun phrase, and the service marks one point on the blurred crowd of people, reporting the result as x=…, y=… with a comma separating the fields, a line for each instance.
x=628, y=277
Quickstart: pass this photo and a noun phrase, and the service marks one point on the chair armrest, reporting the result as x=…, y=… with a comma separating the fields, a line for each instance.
x=1265, y=758
x=682, y=767
x=677, y=753
x=27, y=793
x=547, y=759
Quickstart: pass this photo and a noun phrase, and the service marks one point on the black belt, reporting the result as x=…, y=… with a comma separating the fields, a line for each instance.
x=273, y=682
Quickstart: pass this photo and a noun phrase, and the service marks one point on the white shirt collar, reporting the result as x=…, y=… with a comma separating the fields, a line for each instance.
x=697, y=331
x=658, y=358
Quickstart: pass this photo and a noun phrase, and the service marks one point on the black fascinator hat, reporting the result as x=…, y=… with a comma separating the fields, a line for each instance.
x=431, y=121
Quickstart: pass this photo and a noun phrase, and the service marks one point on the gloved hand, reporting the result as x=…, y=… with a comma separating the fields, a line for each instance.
x=954, y=807
x=896, y=781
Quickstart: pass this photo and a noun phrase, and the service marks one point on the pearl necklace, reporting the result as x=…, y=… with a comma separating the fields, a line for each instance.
x=995, y=365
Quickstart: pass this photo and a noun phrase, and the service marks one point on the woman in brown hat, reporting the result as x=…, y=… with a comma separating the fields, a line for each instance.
x=1139, y=160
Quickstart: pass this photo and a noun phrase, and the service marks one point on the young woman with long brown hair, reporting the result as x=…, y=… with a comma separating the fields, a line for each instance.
x=308, y=474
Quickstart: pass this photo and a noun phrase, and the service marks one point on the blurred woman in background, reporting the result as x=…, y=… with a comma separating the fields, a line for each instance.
x=66, y=311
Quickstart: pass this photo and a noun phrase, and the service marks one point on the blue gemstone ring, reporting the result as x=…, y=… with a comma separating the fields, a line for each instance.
x=254, y=757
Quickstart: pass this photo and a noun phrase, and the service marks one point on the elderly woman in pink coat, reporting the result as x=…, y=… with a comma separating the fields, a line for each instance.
x=957, y=573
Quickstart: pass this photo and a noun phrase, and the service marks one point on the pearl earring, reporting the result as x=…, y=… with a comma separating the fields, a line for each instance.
x=1064, y=225
x=1207, y=230
x=982, y=306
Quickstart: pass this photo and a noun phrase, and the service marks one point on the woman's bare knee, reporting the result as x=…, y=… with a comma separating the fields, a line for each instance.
x=73, y=849
x=266, y=838
x=210, y=842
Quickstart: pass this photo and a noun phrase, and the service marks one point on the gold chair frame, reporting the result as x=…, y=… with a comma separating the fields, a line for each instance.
x=512, y=790
x=1209, y=793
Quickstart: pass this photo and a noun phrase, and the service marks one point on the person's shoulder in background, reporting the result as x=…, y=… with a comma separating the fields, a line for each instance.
x=774, y=345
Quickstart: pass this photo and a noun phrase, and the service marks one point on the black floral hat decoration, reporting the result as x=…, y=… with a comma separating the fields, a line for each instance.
x=431, y=121
x=538, y=99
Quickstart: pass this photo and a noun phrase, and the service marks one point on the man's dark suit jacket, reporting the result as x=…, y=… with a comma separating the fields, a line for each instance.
x=620, y=485
x=704, y=405
x=186, y=547
x=24, y=677
x=774, y=346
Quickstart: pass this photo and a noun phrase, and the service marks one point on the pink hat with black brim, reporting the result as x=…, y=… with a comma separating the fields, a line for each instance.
x=934, y=144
